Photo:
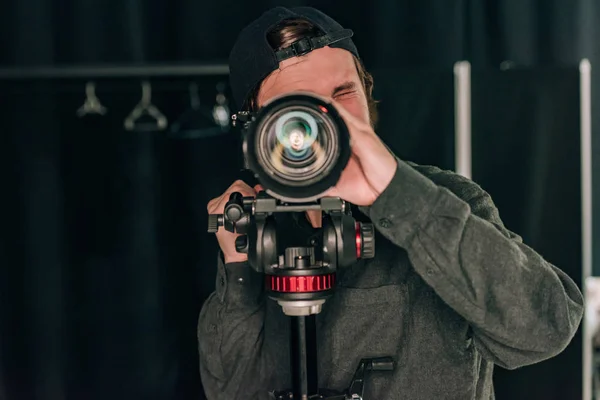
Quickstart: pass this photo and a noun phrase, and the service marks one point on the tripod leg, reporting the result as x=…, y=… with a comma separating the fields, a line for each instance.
x=304, y=357
x=311, y=354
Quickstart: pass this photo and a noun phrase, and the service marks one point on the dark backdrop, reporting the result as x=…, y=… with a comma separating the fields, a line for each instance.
x=526, y=153
x=104, y=260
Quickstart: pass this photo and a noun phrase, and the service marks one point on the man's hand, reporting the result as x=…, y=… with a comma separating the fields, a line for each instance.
x=371, y=166
x=225, y=238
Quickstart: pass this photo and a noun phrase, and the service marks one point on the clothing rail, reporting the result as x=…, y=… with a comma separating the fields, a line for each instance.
x=112, y=71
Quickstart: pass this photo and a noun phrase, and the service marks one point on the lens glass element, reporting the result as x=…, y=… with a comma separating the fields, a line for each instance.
x=297, y=145
x=296, y=136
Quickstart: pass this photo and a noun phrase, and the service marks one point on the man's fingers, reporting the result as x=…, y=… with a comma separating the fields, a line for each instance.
x=212, y=205
x=242, y=187
x=333, y=192
x=217, y=205
x=361, y=126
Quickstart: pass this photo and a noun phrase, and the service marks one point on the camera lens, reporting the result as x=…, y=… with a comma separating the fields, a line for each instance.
x=298, y=146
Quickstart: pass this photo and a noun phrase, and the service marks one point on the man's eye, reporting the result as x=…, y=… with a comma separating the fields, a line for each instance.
x=345, y=93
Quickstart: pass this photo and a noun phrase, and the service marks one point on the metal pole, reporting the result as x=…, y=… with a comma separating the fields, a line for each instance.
x=585, y=88
x=462, y=118
x=112, y=71
x=304, y=367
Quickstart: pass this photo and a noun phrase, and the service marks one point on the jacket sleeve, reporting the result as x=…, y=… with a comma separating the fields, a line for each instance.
x=521, y=308
x=237, y=360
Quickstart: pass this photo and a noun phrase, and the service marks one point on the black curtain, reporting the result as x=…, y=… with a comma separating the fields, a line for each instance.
x=526, y=154
x=104, y=259
x=416, y=109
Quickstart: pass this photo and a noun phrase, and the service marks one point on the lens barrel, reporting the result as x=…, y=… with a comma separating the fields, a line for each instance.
x=297, y=146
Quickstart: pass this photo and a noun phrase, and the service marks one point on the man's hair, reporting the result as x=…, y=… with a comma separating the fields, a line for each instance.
x=291, y=30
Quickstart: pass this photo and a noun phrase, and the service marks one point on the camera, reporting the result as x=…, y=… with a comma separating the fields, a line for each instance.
x=297, y=146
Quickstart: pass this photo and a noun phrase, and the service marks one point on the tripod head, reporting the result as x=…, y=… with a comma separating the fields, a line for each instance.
x=299, y=278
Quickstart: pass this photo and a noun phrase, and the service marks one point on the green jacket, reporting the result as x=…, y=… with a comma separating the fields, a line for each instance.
x=450, y=293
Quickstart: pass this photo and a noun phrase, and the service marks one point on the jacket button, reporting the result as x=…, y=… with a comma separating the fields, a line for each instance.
x=385, y=223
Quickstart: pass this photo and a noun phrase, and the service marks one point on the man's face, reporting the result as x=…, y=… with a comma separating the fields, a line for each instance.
x=328, y=72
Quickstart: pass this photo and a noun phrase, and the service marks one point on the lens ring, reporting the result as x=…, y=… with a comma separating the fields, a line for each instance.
x=298, y=175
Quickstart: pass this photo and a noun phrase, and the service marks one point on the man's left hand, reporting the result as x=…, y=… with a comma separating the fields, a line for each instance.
x=371, y=166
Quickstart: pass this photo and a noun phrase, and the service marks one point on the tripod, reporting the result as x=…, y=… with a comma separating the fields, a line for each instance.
x=305, y=384
x=302, y=278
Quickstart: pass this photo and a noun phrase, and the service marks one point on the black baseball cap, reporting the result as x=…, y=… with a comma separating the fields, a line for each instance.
x=252, y=59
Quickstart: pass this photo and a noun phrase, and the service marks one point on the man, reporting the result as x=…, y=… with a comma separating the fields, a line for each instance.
x=450, y=293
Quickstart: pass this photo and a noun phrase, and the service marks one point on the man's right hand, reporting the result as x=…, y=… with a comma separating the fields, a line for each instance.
x=225, y=238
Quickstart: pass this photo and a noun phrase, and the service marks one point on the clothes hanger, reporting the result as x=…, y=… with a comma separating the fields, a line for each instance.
x=143, y=108
x=92, y=104
x=197, y=121
x=221, y=112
